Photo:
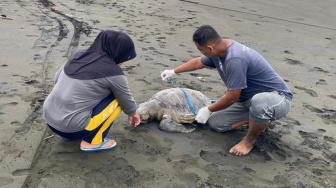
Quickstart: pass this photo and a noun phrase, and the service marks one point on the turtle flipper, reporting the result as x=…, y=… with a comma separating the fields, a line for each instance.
x=169, y=125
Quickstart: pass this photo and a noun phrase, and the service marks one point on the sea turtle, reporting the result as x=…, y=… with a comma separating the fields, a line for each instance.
x=171, y=106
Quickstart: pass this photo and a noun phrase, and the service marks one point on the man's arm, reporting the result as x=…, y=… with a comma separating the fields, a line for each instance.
x=225, y=101
x=191, y=65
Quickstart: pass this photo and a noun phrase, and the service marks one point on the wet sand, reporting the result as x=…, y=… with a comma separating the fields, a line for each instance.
x=297, y=38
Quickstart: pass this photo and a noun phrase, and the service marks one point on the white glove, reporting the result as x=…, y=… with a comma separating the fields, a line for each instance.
x=203, y=115
x=167, y=74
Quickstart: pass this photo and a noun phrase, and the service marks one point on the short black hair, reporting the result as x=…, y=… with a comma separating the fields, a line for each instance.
x=205, y=34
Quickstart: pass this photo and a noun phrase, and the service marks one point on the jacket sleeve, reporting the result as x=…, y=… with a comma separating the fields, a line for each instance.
x=119, y=87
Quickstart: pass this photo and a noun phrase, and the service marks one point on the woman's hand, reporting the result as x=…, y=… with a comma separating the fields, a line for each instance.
x=134, y=120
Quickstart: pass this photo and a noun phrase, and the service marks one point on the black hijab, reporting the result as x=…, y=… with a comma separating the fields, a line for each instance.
x=101, y=58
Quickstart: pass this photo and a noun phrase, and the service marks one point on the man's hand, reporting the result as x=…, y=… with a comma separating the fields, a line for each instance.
x=134, y=120
x=167, y=74
x=203, y=115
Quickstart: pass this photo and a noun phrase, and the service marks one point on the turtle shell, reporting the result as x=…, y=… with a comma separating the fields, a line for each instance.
x=173, y=102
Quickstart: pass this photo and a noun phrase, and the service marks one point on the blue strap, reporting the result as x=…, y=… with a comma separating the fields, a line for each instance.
x=103, y=143
x=189, y=102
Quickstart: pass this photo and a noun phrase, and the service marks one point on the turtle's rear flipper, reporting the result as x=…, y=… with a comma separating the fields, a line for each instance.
x=167, y=124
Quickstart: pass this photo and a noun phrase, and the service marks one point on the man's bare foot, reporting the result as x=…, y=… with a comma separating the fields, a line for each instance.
x=242, y=148
x=85, y=145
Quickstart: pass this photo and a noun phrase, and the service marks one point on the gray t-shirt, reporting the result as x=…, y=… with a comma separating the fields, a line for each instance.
x=245, y=69
x=68, y=108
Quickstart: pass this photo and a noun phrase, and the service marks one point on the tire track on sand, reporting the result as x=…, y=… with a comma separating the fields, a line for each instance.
x=33, y=178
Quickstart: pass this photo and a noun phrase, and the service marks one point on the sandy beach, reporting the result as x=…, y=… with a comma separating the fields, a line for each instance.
x=296, y=37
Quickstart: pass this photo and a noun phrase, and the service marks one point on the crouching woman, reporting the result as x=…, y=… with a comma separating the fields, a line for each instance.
x=90, y=92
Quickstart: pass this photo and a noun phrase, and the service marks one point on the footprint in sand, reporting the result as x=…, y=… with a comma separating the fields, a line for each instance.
x=31, y=82
x=308, y=91
x=306, y=169
x=321, y=82
x=285, y=125
x=293, y=61
x=291, y=121
x=287, y=52
x=152, y=48
x=128, y=68
x=163, y=65
x=145, y=81
x=213, y=157
x=170, y=33
x=181, y=167
x=319, y=69
x=123, y=173
x=312, y=108
x=16, y=123
x=314, y=141
x=37, y=57
x=329, y=139
x=328, y=115
x=271, y=147
x=330, y=155
x=320, y=132
x=20, y=172
x=11, y=104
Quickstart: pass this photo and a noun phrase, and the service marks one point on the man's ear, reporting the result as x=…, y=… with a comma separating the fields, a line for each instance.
x=210, y=48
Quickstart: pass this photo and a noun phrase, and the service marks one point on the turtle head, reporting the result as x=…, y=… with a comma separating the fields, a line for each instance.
x=144, y=114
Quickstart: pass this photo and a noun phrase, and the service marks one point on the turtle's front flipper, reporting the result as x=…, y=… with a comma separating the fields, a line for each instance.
x=167, y=124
